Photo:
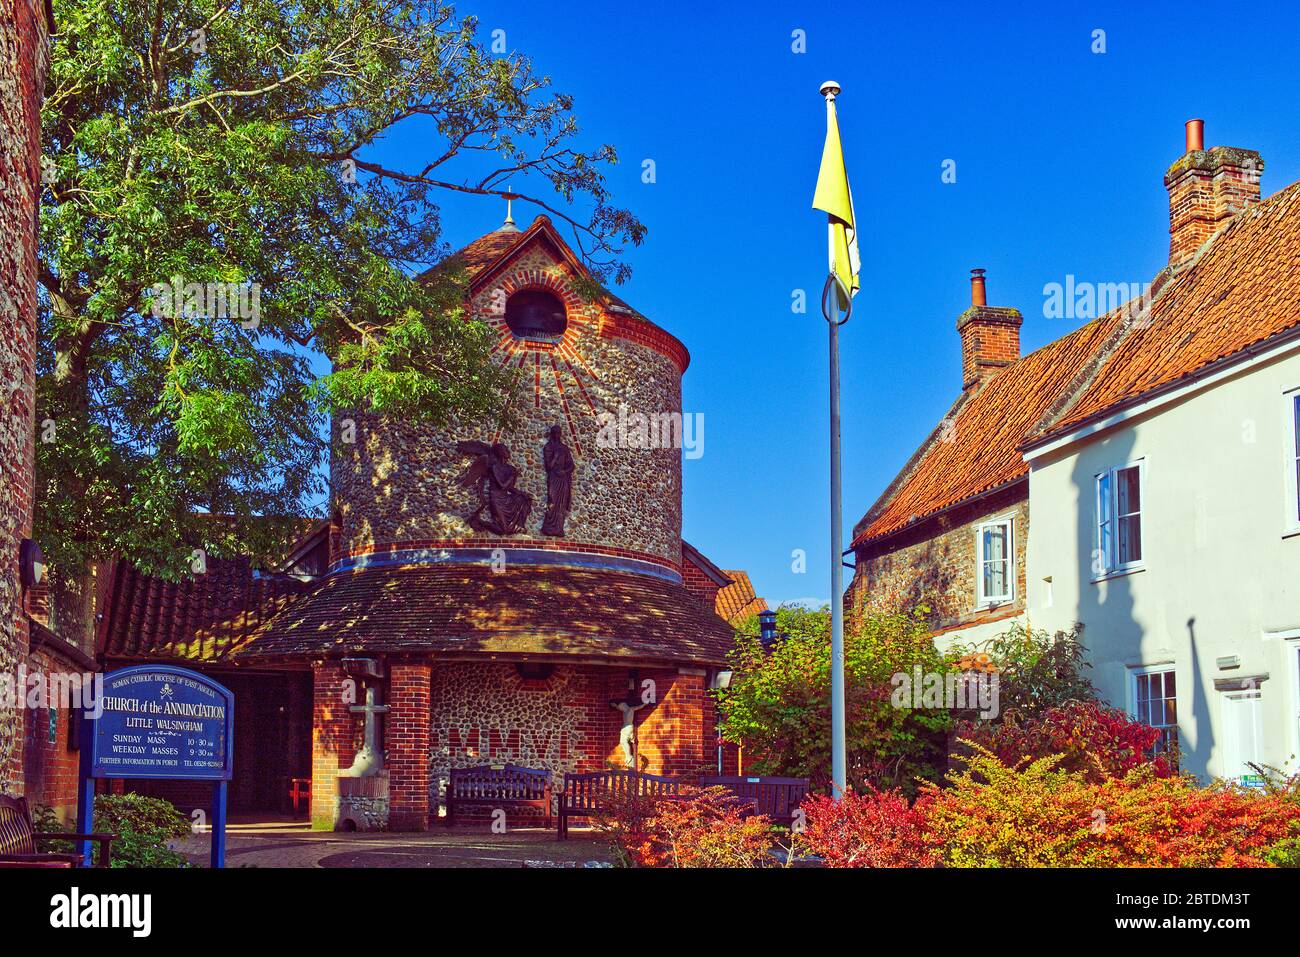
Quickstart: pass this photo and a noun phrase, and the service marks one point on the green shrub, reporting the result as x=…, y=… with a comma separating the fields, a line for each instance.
x=1038, y=671
x=778, y=705
x=143, y=826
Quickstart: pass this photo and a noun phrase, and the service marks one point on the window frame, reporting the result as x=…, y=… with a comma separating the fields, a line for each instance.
x=983, y=600
x=1109, y=549
x=1168, y=667
x=1291, y=652
x=1291, y=461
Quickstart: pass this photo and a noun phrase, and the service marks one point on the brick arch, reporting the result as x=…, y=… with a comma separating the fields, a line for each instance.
x=580, y=314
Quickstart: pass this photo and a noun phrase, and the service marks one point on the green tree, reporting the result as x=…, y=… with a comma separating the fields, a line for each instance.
x=1039, y=671
x=228, y=142
x=778, y=705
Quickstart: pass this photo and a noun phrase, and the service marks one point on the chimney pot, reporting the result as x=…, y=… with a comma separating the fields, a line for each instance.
x=990, y=336
x=1206, y=189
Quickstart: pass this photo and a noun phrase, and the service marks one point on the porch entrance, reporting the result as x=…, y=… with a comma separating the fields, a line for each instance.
x=272, y=746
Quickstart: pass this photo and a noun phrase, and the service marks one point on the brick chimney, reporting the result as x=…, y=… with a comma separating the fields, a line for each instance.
x=1206, y=189
x=990, y=335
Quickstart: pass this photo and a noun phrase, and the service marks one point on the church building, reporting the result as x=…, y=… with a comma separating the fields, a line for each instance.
x=479, y=594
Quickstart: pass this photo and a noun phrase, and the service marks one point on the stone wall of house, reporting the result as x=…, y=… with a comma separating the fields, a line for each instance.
x=397, y=481
x=23, y=63
x=935, y=562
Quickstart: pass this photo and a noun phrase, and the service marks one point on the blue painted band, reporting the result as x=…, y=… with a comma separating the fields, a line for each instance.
x=520, y=556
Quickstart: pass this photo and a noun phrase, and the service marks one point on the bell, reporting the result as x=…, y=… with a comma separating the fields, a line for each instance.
x=535, y=314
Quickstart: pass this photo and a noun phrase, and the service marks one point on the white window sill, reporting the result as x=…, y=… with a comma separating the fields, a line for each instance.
x=1120, y=573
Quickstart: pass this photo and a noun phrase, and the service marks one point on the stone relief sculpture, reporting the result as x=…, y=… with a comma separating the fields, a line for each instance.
x=558, y=461
x=506, y=507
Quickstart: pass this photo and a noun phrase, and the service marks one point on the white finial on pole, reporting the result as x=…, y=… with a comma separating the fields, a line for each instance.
x=509, y=225
x=830, y=89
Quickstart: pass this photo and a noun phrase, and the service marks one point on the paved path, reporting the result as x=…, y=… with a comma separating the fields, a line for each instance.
x=296, y=846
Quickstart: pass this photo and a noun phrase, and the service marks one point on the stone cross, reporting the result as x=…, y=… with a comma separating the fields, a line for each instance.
x=370, y=759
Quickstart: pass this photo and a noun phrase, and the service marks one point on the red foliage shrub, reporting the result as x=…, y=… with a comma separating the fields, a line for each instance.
x=878, y=829
x=1151, y=822
x=1038, y=814
x=1092, y=739
x=700, y=828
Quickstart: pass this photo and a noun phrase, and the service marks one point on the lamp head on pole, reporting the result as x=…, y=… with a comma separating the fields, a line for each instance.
x=830, y=89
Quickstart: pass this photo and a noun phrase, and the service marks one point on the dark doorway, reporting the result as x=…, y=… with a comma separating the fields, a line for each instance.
x=272, y=738
x=272, y=745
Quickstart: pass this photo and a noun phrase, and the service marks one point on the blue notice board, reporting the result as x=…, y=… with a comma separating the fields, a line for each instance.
x=163, y=722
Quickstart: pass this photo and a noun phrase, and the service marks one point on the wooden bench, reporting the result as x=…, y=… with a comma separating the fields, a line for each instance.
x=778, y=798
x=19, y=839
x=500, y=785
x=596, y=792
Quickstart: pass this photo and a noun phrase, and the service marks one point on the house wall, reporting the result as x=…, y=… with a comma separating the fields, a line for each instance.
x=24, y=59
x=1220, y=577
x=51, y=759
x=935, y=564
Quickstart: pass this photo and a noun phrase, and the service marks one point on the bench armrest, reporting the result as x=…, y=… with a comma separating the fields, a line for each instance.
x=61, y=836
x=105, y=842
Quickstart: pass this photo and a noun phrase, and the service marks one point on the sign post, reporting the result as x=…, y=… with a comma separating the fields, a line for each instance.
x=156, y=722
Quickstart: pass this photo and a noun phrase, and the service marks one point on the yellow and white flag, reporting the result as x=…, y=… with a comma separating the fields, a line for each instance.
x=834, y=197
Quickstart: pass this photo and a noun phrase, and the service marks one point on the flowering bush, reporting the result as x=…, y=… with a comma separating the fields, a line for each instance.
x=878, y=829
x=1038, y=814
x=700, y=828
x=1092, y=739
x=1027, y=814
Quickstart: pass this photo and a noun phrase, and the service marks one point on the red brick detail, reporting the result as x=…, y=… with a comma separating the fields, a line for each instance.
x=699, y=584
x=50, y=766
x=676, y=736
x=335, y=740
x=406, y=742
x=647, y=334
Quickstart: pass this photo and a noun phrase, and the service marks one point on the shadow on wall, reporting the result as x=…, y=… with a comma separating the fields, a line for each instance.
x=900, y=582
x=1106, y=607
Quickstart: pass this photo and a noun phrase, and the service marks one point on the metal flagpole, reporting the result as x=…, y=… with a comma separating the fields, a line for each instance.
x=830, y=309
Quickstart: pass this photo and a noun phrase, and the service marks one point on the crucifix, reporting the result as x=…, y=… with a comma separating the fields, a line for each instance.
x=628, y=709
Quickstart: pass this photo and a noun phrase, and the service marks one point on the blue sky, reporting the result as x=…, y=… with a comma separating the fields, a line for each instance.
x=1059, y=155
